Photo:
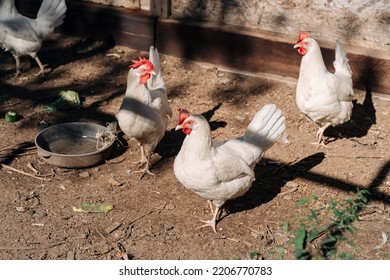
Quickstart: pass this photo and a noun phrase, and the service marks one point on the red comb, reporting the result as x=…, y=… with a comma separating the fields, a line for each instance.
x=142, y=61
x=303, y=35
x=183, y=114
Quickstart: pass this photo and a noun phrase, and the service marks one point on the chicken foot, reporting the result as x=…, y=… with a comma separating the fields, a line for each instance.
x=18, y=72
x=144, y=171
x=144, y=161
x=41, y=66
x=17, y=60
x=211, y=223
x=143, y=158
x=320, y=134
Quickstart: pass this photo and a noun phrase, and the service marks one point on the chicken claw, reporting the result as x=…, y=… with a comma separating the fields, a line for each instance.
x=320, y=134
x=144, y=171
x=211, y=223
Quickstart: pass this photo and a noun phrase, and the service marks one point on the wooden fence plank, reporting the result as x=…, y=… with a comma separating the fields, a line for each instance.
x=250, y=52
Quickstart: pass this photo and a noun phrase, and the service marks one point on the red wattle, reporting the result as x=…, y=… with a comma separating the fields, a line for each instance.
x=144, y=78
x=187, y=130
x=302, y=51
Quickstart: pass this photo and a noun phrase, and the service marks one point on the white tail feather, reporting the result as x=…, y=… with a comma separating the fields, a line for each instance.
x=266, y=127
x=341, y=63
x=262, y=132
x=156, y=81
x=51, y=14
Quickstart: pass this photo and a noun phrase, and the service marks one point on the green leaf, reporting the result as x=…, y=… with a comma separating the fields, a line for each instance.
x=254, y=255
x=286, y=226
x=330, y=241
x=299, y=239
x=333, y=203
x=302, y=201
x=314, y=213
x=346, y=256
x=280, y=252
x=49, y=108
x=337, y=213
x=311, y=235
x=302, y=254
x=331, y=252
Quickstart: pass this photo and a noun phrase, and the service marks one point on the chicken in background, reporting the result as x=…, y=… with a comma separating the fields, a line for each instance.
x=145, y=112
x=220, y=171
x=324, y=97
x=21, y=35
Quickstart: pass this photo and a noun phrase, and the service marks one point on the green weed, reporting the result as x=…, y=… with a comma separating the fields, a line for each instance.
x=315, y=239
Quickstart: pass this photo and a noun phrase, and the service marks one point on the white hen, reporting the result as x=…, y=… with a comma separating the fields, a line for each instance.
x=22, y=35
x=219, y=171
x=145, y=112
x=324, y=97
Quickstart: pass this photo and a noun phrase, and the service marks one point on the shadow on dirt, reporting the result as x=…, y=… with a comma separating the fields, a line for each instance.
x=270, y=178
x=8, y=154
x=362, y=118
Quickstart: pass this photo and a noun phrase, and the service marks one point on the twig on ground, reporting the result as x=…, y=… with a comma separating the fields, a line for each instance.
x=293, y=188
x=21, y=154
x=113, y=55
x=17, y=146
x=146, y=214
x=33, y=248
x=10, y=105
x=23, y=173
x=33, y=169
x=121, y=251
x=344, y=156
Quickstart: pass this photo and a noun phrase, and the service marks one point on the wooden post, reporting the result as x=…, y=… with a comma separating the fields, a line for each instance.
x=160, y=8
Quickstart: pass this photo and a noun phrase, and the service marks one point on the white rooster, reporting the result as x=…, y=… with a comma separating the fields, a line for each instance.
x=145, y=112
x=22, y=35
x=324, y=97
x=219, y=171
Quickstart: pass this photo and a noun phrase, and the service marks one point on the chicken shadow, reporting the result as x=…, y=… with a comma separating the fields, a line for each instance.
x=270, y=178
x=14, y=151
x=82, y=49
x=362, y=118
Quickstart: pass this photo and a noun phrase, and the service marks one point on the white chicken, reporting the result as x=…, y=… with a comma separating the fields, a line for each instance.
x=145, y=112
x=219, y=171
x=22, y=35
x=324, y=97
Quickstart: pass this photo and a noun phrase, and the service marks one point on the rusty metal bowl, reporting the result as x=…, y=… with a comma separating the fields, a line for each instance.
x=75, y=144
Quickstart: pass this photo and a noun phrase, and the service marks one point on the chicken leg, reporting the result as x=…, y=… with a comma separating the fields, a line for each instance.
x=17, y=60
x=320, y=134
x=18, y=72
x=144, y=161
x=211, y=223
x=41, y=66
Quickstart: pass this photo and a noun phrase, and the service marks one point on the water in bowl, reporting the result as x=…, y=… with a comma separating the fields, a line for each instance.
x=73, y=146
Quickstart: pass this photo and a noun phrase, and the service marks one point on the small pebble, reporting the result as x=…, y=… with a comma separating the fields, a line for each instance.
x=84, y=174
x=292, y=184
x=20, y=209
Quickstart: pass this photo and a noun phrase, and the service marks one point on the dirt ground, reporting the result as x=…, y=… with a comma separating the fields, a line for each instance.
x=156, y=218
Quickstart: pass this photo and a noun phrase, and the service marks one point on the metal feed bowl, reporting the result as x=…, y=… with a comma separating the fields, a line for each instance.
x=75, y=144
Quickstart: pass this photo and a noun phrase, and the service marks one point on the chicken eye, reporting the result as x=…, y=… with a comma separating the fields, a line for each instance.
x=193, y=124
